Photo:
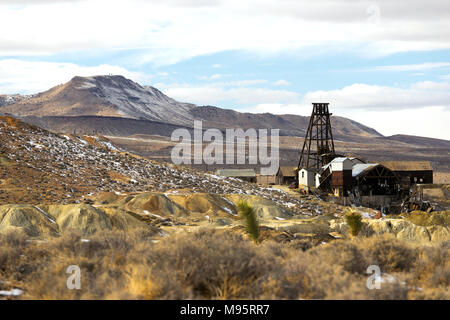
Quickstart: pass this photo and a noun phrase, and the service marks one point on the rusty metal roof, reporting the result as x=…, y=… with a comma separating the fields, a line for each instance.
x=407, y=165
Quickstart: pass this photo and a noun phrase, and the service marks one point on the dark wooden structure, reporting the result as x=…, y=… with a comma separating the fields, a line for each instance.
x=374, y=179
x=341, y=179
x=318, y=147
x=286, y=175
x=411, y=172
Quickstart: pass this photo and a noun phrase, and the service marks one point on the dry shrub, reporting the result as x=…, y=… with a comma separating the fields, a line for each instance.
x=302, y=244
x=390, y=254
x=212, y=264
x=433, y=266
x=343, y=253
x=307, y=276
x=219, y=264
x=12, y=244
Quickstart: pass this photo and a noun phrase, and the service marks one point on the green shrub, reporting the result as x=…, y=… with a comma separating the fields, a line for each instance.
x=353, y=219
x=251, y=223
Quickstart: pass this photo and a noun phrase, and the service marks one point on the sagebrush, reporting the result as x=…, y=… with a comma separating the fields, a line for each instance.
x=219, y=264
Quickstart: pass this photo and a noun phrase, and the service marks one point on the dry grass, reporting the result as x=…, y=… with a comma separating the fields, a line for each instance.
x=217, y=264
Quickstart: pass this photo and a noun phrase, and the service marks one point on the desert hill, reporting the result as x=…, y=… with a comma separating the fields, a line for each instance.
x=416, y=140
x=118, y=97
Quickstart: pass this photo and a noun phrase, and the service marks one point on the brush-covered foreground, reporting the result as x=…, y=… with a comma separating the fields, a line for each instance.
x=220, y=264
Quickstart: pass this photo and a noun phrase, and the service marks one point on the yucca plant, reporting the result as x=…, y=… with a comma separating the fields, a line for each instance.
x=251, y=223
x=353, y=220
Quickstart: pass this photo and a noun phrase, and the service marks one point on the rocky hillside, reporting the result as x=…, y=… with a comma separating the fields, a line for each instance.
x=8, y=99
x=118, y=97
x=51, y=184
x=39, y=166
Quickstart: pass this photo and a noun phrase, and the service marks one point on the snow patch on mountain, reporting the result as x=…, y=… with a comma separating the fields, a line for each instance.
x=134, y=101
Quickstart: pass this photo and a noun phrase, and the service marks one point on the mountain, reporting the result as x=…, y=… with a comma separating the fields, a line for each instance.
x=104, y=99
x=110, y=96
x=421, y=141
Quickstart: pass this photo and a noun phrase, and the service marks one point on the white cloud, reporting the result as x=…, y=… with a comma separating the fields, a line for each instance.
x=358, y=96
x=281, y=83
x=411, y=67
x=425, y=121
x=212, y=77
x=168, y=32
x=217, y=65
x=230, y=97
x=215, y=76
x=245, y=83
x=373, y=97
x=18, y=76
x=422, y=109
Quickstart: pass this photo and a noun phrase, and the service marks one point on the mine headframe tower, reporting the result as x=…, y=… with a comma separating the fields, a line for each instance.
x=318, y=148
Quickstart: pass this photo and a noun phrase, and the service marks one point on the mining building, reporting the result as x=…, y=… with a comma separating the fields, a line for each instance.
x=350, y=180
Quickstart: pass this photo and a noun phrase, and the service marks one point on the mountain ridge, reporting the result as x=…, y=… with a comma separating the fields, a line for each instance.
x=116, y=96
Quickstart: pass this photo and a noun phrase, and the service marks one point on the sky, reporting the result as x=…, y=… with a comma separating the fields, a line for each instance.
x=383, y=63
